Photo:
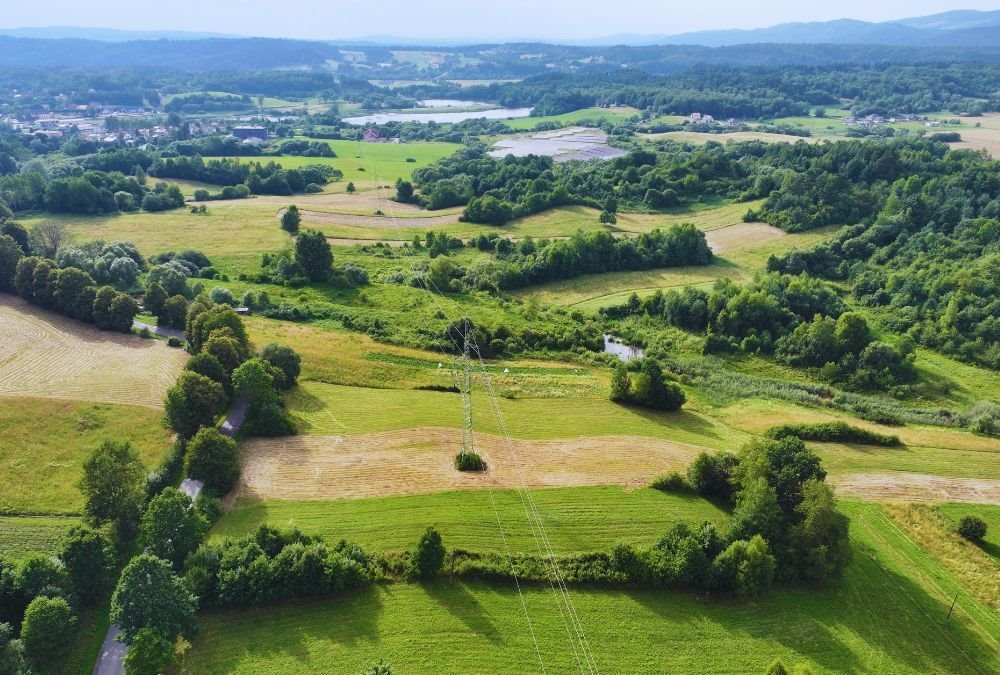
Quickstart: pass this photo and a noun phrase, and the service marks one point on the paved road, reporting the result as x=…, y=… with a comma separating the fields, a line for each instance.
x=159, y=330
x=112, y=656
x=111, y=659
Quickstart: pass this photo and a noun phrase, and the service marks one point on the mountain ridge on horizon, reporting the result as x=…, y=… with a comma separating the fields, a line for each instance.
x=952, y=28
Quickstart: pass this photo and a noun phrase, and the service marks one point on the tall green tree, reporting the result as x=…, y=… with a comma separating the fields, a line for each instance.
x=428, y=558
x=291, y=219
x=10, y=254
x=150, y=653
x=150, y=595
x=193, y=402
x=113, y=484
x=89, y=561
x=212, y=458
x=312, y=252
x=47, y=632
x=171, y=528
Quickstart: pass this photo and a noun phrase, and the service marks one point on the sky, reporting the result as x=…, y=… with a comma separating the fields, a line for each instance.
x=451, y=19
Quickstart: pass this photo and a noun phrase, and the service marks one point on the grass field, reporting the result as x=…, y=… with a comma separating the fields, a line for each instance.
x=336, y=410
x=364, y=163
x=596, y=114
x=578, y=520
x=886, y=616
x=742, y=250
x=43, y=443
x=988, y=512
x=45, y=354
x=21, y=536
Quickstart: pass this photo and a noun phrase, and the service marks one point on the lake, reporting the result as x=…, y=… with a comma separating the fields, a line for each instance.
x=613, y=345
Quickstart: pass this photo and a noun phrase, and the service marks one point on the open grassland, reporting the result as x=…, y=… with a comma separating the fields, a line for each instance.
x=886, y=616
x=741, y=250
x=988, y=512
x=43, y=443
x=421, y=460
x=973, y=568
x=44, y=354
x=595, y=114
x=577, y=520
x=22, y=536
x=333, y=355
x=330, y=410
x=368, y=163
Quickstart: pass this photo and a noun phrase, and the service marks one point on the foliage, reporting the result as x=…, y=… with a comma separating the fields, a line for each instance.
x=469, y=461
x=48, y=624
x=150, y=595
x=213, y=458
x=89, y=560
x=193, y=402
x=271, y=565
x=833, y=432
x=972, y=528
x=10, y=254
x=672, y=482
x=149, y=654
x=291, y=219
x=170, y=527
x=648, y=388
x=312, y=253
x=286, y=360
x=428, y=557
x=113, y=484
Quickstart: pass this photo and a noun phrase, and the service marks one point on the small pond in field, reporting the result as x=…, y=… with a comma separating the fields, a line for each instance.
x=613, y=345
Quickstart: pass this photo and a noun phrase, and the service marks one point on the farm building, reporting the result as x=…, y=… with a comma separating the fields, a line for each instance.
x=245, y=133
x=372, y=136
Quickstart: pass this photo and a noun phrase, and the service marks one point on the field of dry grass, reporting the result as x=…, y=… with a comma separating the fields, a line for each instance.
x=44, y=354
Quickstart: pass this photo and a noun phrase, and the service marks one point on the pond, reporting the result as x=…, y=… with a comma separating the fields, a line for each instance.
x=451, y=103
x=439, y=117
x=613, y=345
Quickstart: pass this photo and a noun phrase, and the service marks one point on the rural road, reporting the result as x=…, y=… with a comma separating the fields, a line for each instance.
x=111, y=660
x=159, y=330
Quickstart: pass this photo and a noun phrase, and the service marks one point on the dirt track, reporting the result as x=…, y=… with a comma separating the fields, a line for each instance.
x=915, y=487
x=417, y=461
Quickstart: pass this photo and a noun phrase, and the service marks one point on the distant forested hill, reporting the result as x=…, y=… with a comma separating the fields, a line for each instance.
x=470, y=62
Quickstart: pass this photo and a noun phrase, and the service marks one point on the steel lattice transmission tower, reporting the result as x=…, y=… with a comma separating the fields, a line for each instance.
x=468, y=444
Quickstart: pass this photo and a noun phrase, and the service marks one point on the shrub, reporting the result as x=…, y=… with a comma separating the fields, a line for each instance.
x=428, y=558
x=174, y=342
x=711, y=475
x=672, y=482
x=469, y=461
x=833, y=432
x=972, y=528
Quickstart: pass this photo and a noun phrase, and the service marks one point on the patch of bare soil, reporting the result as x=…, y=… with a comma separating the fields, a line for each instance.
x=418, y=461
x=915, y=487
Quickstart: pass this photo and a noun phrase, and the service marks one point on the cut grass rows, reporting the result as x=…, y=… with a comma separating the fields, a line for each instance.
x=577, y=520
x=22, y=536
x=887, y=616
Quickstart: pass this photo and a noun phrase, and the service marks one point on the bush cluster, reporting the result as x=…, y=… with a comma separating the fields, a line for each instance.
x=833, y=432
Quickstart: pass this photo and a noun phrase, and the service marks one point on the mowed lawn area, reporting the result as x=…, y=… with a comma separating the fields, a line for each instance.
x=365, y=163
x=44, y=442
x=577, y=520
x=888, y=615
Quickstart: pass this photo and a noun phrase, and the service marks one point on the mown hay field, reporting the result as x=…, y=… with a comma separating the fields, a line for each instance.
x=886, y=616
x=43, y=354
x=577, y=519
x=22, y=536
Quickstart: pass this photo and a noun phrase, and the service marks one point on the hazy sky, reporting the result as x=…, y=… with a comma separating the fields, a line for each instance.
x=552, y=19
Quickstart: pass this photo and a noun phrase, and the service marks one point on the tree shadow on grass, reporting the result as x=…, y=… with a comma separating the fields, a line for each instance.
x=894, y=617
x=688, y=422
x=454, y=597
x=291, y=628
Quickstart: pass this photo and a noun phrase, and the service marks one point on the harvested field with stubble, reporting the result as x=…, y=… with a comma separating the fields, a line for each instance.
x=421, y=461
x=44, y=354
x=914, y=487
